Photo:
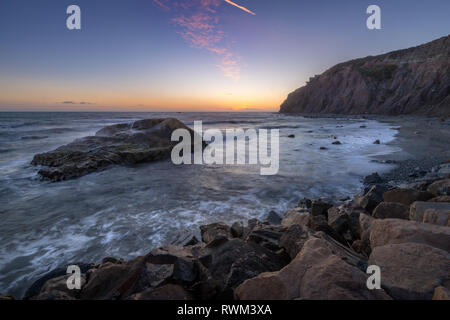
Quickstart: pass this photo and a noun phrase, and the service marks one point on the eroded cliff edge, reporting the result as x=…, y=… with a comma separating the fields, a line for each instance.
x=409, y=81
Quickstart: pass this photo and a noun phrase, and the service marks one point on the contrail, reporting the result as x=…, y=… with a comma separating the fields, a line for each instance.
x=240, y=7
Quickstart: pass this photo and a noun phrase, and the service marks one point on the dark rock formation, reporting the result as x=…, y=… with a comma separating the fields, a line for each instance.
x=409, y=81
x=128, y=143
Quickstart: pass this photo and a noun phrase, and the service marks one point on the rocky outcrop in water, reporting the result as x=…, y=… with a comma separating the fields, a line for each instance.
x=410, y=81
x=129, y=143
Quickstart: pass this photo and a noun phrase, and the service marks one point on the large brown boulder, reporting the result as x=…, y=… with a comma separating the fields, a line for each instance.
x=297, y=215
x=418, y=209
x=406, y=196
x=129, y=143
x=110, y=281
x=316, y=273
x=411, y=271
x=395, y=231
x=394, y=210
x=294, y=238
x=215, y=230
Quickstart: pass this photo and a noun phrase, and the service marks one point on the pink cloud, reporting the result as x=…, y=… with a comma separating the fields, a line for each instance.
x=199, y=26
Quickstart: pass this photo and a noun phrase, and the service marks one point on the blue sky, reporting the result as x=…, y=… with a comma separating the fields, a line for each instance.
x=191, y=54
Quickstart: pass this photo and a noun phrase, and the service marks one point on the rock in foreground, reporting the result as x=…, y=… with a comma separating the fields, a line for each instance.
x=129, y=143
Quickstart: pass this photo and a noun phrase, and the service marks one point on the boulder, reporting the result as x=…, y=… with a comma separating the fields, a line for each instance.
x=232, y=262
x=343, y=251
x=273, y=218
x=440, y=188
x=111, y=281
x=319, y=222
x=441, y=293
x=345, y=220
x=267, y=236
x=237, y=229
x=296, y=216
x=170, y=254
x=320, y=208
x=185, y=238
x=439, y=217
x=411, y=271
x=362, y=246
x=5, y=297
x=211, y=231
x=56, y=289
x=371, y=199
x=129, y=143
x=316, y=273
x=393, y=210
x=406, y=196
x=418, y=209
x=294, y=238
x=338, y=219
x=365, y=221
x=36, y=287
x=184, y=271
x=395, y=231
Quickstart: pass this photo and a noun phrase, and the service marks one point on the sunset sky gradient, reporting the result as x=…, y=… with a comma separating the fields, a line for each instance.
x=191, y=55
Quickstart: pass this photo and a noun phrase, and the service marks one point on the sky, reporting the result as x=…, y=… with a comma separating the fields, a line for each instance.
x=191, y=55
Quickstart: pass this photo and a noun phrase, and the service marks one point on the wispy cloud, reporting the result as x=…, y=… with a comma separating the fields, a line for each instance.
x=240, y=7
x=199, y=25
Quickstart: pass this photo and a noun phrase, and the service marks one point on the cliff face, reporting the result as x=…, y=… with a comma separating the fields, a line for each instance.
x=410, y=81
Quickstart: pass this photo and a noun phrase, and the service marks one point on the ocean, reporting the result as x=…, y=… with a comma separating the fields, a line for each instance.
x=126, y=211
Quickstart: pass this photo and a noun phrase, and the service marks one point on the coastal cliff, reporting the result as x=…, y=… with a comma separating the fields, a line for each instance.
x=409, y=81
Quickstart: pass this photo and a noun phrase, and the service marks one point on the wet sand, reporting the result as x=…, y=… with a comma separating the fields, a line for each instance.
x=425, y=143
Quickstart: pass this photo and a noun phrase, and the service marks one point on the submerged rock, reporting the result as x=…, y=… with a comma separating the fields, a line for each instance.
x=129, y=143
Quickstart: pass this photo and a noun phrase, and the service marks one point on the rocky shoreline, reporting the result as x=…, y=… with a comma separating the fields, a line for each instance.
x=318, y=250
